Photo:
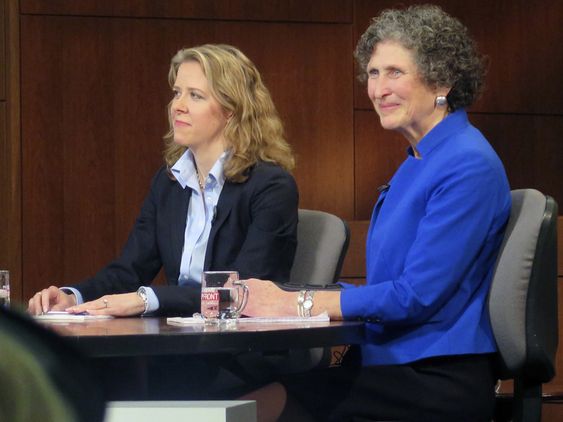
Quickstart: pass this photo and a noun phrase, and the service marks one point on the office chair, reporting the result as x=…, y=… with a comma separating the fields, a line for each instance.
x=523, y=300
x=322, y=243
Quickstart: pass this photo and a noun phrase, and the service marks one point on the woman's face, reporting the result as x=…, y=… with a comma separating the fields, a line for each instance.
x=198, y=119
x=400, y=97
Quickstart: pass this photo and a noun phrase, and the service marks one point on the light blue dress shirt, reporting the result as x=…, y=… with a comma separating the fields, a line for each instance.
x=199, y=220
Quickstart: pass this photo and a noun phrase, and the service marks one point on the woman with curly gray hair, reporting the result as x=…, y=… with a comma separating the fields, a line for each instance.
x=441, y=51
x=431, y=247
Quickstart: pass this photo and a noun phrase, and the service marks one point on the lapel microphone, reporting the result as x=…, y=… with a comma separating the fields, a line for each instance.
x=384, y=188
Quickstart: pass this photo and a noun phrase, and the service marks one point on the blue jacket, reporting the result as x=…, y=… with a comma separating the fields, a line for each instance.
x=254, y=232
x=431, y=248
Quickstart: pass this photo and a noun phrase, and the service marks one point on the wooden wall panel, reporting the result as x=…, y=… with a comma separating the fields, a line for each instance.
x=354, y=265
x=314, y=98
x=4, y=189
x=140, y=53
x=42, y=168
x=271, y=10
x=3, y=60
x=4, y=148
x=521, y=39
x=103, y=80
x=530, y=147
x=10, y=151
x=378, y=154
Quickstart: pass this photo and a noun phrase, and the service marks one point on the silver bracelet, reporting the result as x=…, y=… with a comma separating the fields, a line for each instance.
x=305, y=303
x=142, y=293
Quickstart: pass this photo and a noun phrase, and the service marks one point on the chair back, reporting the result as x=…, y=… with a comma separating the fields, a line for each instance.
x=322, y=242
x=523, y=298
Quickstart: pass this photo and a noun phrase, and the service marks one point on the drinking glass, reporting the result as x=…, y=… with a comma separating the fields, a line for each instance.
x=223, y=296
x=5, y=288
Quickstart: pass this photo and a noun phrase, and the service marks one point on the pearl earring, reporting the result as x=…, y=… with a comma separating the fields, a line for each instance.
x=441, y=100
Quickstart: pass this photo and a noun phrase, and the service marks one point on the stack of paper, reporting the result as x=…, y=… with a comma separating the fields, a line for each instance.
x=61, y=316
x=198, y=319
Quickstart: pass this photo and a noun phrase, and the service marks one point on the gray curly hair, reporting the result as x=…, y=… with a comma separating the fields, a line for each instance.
x=444, y=52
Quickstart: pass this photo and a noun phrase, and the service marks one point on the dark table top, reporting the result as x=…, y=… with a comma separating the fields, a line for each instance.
x=150, y=336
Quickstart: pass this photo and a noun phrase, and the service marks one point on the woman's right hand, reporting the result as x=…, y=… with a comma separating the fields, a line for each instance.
x=50, y=299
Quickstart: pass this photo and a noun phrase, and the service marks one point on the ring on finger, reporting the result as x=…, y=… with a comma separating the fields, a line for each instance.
x=105, y=303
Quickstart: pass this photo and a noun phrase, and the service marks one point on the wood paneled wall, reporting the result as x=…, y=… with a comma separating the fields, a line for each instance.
x=2, y=54
x=94, y=93
x=4, y=190
x=10, y=153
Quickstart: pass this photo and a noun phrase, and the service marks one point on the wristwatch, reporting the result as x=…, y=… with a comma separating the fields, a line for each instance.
x=305, y=303
x=142, y=293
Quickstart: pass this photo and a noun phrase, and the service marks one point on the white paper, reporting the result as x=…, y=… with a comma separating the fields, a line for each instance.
x=198, y=319
x=62, y=316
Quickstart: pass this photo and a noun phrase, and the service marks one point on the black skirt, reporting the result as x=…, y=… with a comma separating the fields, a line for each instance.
x=446, y=388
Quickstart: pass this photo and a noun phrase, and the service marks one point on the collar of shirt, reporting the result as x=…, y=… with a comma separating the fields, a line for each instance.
x=441, y=132
x=185, y=172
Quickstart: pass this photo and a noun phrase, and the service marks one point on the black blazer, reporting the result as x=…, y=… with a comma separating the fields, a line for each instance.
x=254, y=232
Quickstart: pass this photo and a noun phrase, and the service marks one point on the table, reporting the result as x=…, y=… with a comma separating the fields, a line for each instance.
x=144, y=358
x=150, y=336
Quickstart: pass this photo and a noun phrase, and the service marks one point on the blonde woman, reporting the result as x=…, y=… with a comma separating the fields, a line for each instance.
x=225, y=199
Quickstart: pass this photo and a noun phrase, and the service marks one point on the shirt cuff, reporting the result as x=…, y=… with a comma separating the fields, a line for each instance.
x=153, y=303
x=75, y=292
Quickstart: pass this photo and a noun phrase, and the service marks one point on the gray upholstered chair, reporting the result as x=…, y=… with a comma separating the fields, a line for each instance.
x=523, y=300
x=322, y=242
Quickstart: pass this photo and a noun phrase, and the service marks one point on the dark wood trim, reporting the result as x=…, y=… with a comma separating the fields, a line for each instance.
x=321, y=11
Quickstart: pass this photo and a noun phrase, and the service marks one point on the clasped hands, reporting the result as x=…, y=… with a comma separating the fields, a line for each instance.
x=55, y=299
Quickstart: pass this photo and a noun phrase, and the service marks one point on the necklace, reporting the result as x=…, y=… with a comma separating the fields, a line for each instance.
x=199, y=182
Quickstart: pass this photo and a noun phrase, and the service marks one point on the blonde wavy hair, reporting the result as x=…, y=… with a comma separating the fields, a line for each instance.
x=254, y=132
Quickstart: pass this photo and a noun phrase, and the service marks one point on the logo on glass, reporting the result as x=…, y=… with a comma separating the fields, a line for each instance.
x=223, y=296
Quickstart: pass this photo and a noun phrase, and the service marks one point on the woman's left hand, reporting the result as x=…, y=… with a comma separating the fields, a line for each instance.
x=127, y=304
x=265, y=299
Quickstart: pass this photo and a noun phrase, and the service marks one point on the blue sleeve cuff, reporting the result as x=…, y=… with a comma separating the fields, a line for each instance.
x=358, y=303
x=347, y=303
x=75, y=292
x=153, y=304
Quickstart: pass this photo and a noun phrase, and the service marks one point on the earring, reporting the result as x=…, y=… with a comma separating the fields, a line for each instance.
x=441, y=100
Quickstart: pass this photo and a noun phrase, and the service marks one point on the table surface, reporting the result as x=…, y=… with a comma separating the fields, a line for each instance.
x=151, y=336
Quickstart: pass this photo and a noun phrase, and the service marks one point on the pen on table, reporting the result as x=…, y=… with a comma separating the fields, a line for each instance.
x=64, y=313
